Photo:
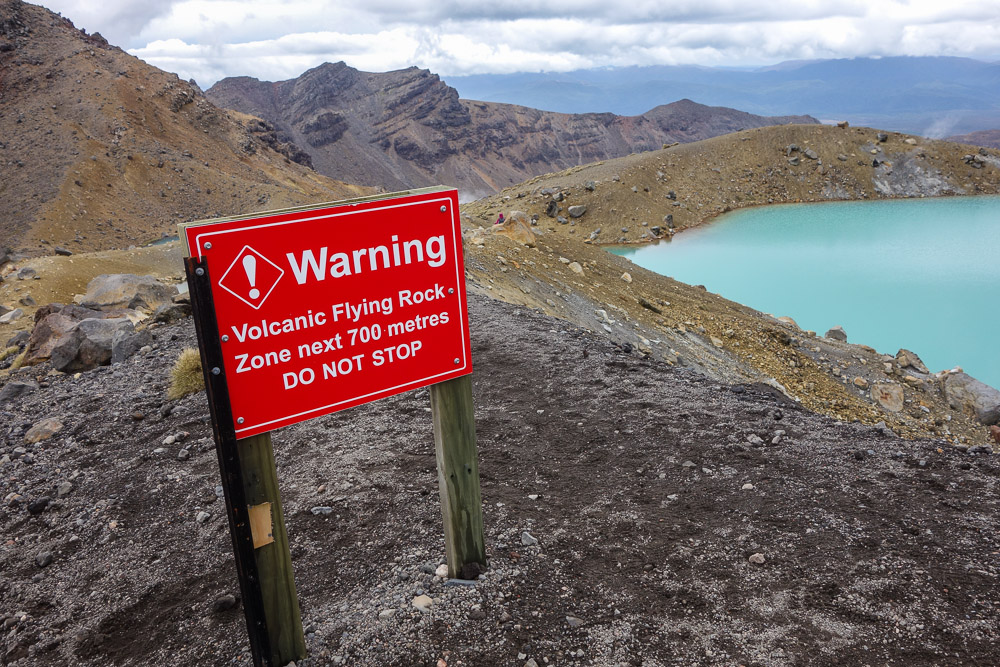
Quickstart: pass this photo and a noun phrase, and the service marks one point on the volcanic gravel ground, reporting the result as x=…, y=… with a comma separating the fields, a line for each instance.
x=852, y=547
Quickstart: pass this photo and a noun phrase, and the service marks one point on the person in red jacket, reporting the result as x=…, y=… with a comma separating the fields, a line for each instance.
x=499, y=220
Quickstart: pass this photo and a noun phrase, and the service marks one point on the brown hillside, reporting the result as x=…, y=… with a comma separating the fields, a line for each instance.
x=100, y=150
x=750, y=168
x=407, y=128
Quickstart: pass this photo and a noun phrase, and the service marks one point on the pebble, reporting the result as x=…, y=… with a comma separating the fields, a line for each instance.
x=423, y=603
x=574, y=622
x=441, y=571
x=322, y=509
x=64, y=489
x=44, y=559
x=183, y=455
x=386, y=613
x=757, y=559
x=747, y=487
x=38, y=505
x=203, y=517
x=754, y=439
x=528, y=540
x=169, y=440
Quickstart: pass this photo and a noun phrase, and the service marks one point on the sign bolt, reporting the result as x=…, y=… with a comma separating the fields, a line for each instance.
x=208, y=246
x=240, y=420
x=451, y=290
x=225, y=339
x=216, y=370
x=457, y=361
x=444, y=208
x=199, y=271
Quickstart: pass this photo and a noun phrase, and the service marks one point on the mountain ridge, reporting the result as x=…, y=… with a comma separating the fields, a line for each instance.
x=406, y=128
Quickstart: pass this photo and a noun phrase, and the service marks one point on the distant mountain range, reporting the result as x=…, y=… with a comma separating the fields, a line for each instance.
x=929, y=96
x=985, y=138
x=407, y=128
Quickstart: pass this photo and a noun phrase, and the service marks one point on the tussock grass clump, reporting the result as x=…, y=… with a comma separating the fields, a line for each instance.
x=185, y=376
x=10, y=351
x=19, y=360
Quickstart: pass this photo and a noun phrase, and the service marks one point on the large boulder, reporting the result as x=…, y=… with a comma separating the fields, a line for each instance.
x=517, y=228
x=971, y=396
x=89, y=344
x=889, y=395
x=53, y=323
x=124, y=290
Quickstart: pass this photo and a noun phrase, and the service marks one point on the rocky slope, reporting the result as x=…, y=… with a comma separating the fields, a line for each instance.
x=635, y=513
x=100, y=150
x=635, y=198
x=406, y=129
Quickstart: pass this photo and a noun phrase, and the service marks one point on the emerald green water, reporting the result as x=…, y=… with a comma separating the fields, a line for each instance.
x=921, y=274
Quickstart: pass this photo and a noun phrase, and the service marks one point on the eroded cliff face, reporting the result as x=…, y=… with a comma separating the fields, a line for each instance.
x=407, y=128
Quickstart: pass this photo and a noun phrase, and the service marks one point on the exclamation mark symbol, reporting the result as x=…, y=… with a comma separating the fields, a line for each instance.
x=250, y=266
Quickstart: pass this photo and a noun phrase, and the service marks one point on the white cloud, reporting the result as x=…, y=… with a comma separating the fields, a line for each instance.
x=278, y=39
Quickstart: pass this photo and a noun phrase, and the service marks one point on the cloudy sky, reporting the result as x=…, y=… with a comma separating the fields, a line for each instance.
x=279, y=39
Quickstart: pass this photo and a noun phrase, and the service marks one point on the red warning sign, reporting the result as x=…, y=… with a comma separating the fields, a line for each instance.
x=326, y=308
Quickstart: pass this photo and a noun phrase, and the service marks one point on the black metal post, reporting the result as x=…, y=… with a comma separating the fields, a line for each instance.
x=229, y=462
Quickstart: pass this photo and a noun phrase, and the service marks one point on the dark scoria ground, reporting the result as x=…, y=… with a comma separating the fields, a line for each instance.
x=628, y=472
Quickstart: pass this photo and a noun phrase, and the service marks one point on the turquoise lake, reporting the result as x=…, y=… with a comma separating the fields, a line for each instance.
x=921, y=274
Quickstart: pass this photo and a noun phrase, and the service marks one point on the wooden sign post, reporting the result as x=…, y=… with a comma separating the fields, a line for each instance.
x=458, y=473
x=307, y=311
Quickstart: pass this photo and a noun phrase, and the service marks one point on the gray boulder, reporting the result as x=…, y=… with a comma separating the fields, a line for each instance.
x=171, y=312
x=124, y=290
x=54, y=322
x=11, y=316
x=14, y=389
x=125, y=342
x=966, y=393
x=88, y=345
x=837, y=333
x=577, y=211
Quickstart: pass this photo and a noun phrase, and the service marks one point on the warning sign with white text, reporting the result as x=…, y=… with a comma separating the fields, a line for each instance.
x=325, y=308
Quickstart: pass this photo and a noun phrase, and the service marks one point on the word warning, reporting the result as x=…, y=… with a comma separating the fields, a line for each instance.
x=325, y=308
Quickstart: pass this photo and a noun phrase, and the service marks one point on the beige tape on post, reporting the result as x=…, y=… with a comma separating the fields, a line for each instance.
x=260, y=524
